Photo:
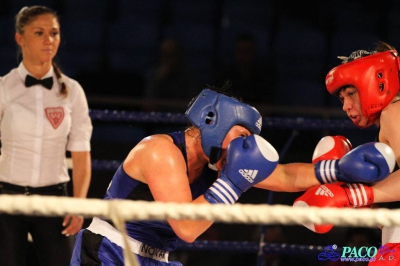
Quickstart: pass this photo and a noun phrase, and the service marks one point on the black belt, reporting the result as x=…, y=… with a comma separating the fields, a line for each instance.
x=32, y=190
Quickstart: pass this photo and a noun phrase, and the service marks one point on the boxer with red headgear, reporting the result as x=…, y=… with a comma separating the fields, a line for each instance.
x=375, y=76
x=367, y=83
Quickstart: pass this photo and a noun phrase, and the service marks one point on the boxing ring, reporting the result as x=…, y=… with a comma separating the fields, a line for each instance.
x=261, y=214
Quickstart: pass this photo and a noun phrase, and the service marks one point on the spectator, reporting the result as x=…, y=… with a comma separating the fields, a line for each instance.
x=171, y=78
x=249, y=75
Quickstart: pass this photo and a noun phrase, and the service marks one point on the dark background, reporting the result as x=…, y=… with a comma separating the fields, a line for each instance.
x=109, y=46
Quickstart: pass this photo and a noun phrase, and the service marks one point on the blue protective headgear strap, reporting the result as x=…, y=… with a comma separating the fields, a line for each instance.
x=215, y=114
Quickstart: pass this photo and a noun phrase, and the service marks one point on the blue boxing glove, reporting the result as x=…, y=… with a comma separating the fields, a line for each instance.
x=370, y=162
x=249, y=161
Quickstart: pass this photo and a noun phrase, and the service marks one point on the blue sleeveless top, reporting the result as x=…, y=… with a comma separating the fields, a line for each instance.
x=158, y=234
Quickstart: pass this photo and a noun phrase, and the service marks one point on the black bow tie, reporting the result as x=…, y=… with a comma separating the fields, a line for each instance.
x=47, y=82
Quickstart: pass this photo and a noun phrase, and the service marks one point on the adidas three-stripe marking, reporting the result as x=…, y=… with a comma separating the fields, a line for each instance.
x=326, y=171
x=225, y=192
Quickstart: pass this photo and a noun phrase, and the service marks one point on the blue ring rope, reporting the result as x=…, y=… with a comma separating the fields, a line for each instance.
x=299, y=123
x=251, y=247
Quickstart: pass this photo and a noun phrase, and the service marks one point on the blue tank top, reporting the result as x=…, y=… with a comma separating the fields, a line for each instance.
x=158, y=234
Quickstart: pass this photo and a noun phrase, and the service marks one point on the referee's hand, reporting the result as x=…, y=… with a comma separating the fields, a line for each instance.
x=72, y=224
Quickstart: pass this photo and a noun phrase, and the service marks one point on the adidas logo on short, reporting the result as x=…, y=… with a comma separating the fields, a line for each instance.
x=324, y=191
x=248, y=174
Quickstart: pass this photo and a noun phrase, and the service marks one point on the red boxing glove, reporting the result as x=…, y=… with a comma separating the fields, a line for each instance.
x=334, y=195
x=328, y=148
x=331, y=148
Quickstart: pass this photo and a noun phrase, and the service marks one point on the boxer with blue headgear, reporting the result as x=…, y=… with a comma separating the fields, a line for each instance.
x=249, y=160
x=215, y=114
x=173, y=168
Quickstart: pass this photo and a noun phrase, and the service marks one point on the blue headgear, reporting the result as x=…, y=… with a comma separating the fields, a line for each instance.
x=215, y=114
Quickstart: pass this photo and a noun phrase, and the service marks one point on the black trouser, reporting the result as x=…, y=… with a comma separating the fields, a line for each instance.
x=50, y=246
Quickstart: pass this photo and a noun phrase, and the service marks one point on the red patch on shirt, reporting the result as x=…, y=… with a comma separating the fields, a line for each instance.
x=55, y=115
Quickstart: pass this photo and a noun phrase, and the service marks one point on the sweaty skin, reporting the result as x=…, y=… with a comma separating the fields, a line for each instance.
x=387, y=189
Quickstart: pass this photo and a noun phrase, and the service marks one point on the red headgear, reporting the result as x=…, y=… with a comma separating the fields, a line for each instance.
x=375, y=76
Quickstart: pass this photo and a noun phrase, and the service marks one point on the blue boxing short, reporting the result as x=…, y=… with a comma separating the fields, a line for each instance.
x=93, y=248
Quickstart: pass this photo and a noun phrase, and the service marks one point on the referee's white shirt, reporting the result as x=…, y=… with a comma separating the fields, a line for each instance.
x=37, y=126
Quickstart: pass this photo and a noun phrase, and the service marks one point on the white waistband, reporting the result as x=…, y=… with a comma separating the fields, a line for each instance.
x=390, y=234
x=105, y=229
